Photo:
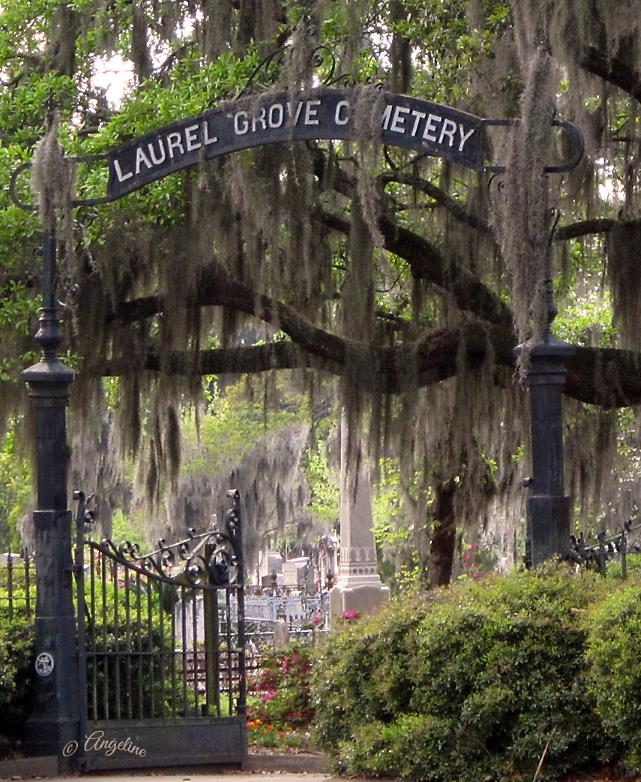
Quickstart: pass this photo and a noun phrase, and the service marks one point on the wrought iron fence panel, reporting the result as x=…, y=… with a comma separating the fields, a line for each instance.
x=17, y=585
x=161, y=651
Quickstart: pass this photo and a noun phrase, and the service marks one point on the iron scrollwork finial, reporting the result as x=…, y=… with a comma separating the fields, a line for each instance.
x=211, y=559
x=322, y=61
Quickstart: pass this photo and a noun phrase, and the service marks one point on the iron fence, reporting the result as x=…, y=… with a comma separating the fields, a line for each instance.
x=606, y=549
x=17, y=585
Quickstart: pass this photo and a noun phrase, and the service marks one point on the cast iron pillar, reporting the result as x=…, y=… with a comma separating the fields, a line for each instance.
x=548, y=508
x=54, y=722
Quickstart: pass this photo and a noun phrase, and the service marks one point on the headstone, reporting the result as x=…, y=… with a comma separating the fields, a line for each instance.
x=270, y=562
x=281, y=634
x=358, y=587
x=296, y=572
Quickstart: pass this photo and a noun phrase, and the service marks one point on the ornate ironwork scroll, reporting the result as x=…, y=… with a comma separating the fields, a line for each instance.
x=322, y=60
x=210, y=559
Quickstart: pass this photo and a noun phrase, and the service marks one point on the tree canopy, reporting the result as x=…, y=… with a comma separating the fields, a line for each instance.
x=401, y=280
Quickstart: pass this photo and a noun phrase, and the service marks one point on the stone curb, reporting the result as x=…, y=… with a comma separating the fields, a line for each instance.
x=313, y=763
x=47, y=766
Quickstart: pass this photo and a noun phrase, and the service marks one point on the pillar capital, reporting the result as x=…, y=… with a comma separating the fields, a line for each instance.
x=49, y=379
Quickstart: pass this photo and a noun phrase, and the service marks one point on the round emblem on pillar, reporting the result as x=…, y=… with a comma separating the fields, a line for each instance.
x=44, y=664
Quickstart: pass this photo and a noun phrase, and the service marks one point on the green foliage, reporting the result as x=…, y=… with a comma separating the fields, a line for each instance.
x=586, y=322
x=15, y=491
x=394, y=528
x=16, y=667
x=323, y=481
x=413, y=744
x=131, y=657
x=233, y=427
x=125, y=528
x=390, y=527
x=446, y=44
x=615, y=673
x=471, y=683
x=362, y=673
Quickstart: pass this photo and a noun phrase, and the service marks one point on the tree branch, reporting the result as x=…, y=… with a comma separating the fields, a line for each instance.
x=454, y=207
x=612, y=69
x=601, y=376
x=584, y=228
x=427, y=262
x=216, y=288
x=385, y=369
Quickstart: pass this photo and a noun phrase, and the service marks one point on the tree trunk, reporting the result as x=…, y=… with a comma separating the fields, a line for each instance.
x=443, y=537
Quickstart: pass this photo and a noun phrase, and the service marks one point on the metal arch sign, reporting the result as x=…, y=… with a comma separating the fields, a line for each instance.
x=267, y=119
x=323, y=113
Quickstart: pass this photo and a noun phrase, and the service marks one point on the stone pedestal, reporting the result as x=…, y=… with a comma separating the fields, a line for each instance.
x=548, y=508
x=358, y=586
x=54, y=720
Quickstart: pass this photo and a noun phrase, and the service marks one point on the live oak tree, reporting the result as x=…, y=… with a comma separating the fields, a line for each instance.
x=401, y=281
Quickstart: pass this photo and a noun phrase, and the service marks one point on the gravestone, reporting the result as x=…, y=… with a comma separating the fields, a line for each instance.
x=358, y=586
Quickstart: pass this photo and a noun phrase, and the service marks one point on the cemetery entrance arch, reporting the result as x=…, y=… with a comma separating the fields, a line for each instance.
x=60, y=722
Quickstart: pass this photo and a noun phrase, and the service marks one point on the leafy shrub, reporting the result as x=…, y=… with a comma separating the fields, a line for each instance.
x=614, y=667
x=362, y=674
x=411, y=746
x=474, y=682
x=282, y=688
x=16, y=669
x=131, y=676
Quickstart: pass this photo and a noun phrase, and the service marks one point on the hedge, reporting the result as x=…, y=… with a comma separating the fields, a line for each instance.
x=485, y=680
x=16, y=671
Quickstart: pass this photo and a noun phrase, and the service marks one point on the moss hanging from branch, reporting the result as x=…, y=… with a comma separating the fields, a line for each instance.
x=523, y=219
x=215, y=29
x=369, y=102
x=140, y=55
x=53, y=181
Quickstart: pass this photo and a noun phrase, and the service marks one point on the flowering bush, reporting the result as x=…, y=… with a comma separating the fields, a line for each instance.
x=314, y=623
x=267, y=735
x=480, y=681
x=282, y=689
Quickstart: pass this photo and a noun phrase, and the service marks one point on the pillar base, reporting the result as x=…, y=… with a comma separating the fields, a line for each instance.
x=47, y=736
x=365, y=594
x=548, y=528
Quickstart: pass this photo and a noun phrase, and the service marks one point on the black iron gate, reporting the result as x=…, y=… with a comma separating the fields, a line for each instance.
x=161, y=649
